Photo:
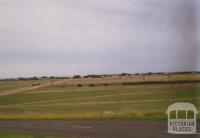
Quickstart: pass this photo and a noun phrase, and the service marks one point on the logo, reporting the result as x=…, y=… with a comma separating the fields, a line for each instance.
x=182, y=118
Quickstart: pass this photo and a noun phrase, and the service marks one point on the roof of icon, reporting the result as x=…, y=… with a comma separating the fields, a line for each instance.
x=182, y=106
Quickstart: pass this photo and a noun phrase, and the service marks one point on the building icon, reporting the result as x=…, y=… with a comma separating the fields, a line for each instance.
x=182, y=118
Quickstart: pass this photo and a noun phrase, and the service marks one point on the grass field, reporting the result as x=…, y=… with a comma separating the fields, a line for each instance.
x=62, y=99
x=17, y=135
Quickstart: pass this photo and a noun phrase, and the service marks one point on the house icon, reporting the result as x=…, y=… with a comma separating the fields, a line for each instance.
x=184, y=123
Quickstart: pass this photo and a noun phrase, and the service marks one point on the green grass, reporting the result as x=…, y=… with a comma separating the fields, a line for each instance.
x=64, y=100
x=17, y=135
x=103, y=102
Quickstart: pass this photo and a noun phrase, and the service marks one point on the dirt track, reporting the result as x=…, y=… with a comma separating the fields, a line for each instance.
x=94, y=129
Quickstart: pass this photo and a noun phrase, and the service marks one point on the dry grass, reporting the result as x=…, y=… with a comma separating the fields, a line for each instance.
x=64, y=100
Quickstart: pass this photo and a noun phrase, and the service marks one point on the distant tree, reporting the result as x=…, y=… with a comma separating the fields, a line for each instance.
x=123, y=74
x=22, y=79
x=93, y=76
x=76, y=77
x=66, y=78
x=44, y=77
x=35, y=78
x=149, y=73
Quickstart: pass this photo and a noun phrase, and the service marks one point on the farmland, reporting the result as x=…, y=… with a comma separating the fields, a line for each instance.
x=96, y=98
x=17, y=135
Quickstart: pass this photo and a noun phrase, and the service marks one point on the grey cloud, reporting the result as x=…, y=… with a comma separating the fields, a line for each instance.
x=92, y=36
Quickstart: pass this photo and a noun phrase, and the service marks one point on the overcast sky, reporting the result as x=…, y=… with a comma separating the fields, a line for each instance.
x=66, y=37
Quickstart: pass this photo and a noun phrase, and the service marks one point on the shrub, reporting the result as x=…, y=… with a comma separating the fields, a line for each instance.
x=37, y=84
x=79, y=85
x=91, y=85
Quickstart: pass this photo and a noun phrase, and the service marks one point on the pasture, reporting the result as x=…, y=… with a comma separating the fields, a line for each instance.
x=17, y=135
x=66, y=99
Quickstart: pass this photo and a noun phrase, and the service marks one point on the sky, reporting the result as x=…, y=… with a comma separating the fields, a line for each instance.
x=67, y=37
